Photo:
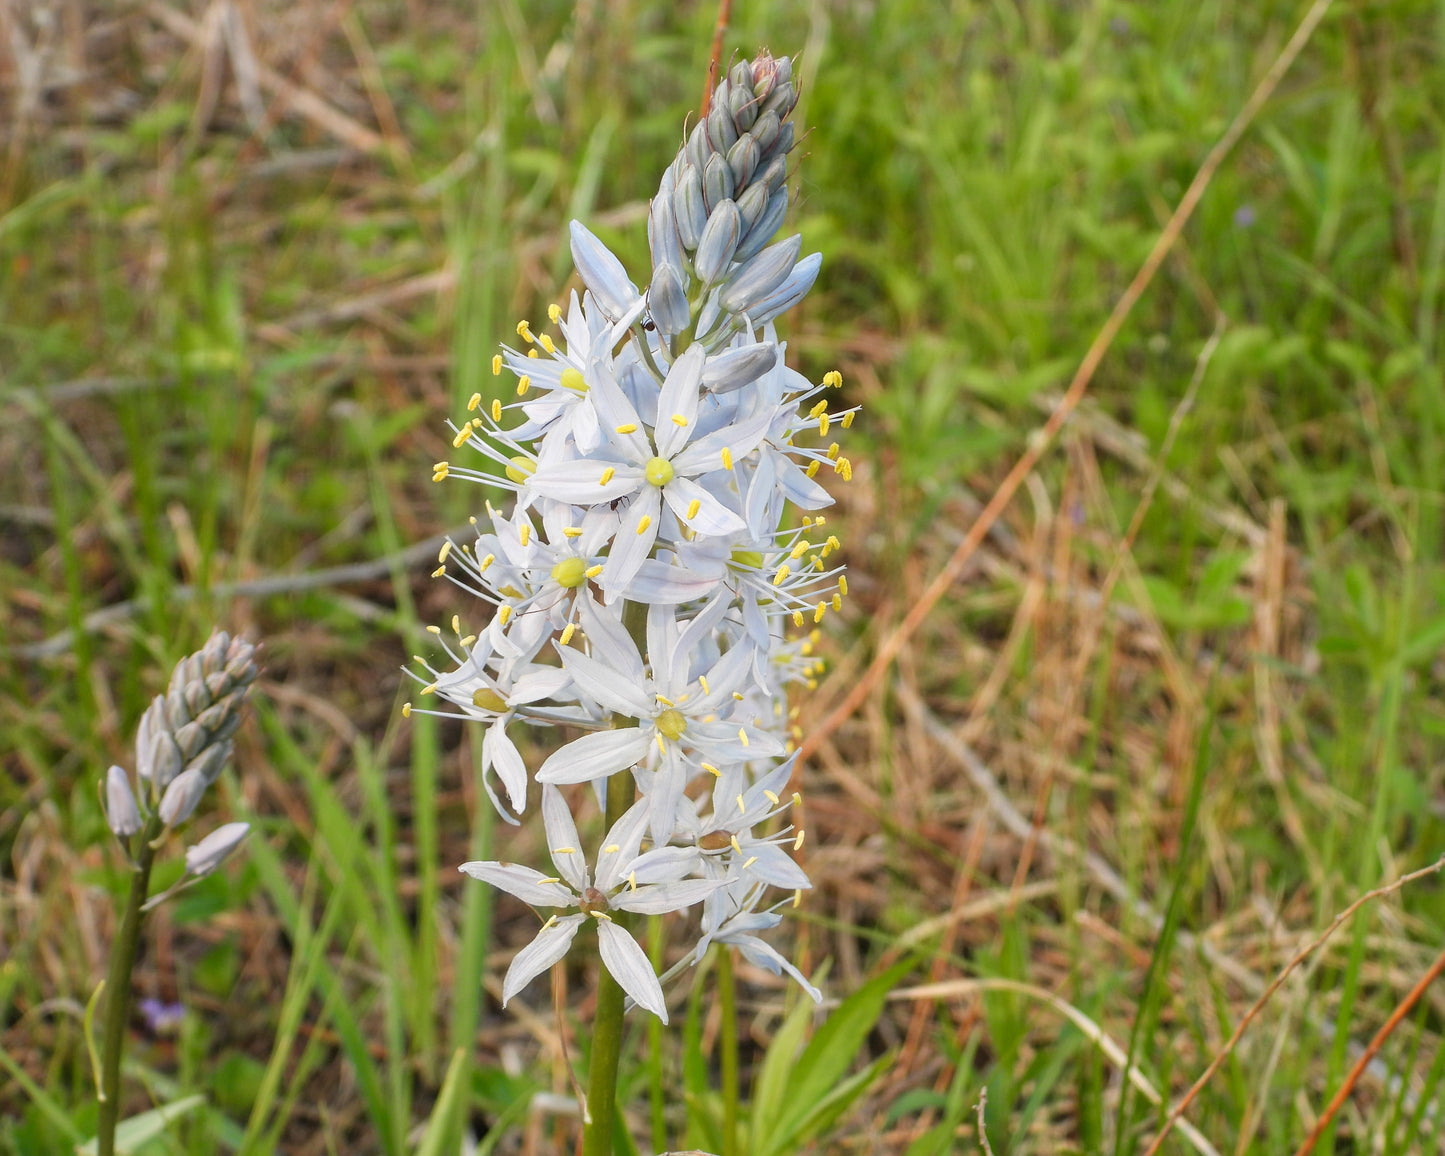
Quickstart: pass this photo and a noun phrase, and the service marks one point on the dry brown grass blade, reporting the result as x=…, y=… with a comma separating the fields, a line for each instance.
x=1396, y=1016
x=719, y=30
x=302, y=100
x=1044, y=436
x=1309, y=949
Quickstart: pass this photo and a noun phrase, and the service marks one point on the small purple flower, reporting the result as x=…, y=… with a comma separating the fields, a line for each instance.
x=162, y=1018
x=1244, y=216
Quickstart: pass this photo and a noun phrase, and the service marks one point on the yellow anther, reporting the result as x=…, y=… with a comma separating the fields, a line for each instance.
x=496, y=364
x=439, y=471
x=772, y=798
x=679, y=420
x=432, y=689
x=632, y=880
x=524, y=383
x=833, y=542
x=524, y=532
x=812, y=469
x=837, y=602
x=800, y=549
x=798, y=618
x=848, y=418
x=434, y=630
x=819, y=409
x=457, y=625
x=504, y=613
x=818, y=613
x=845, y=469
x=833, y=452
x=474, y=401
x=611, y=849
x=406, y=710
x=662, y=698
x=798, y=897
x=743, y=736
x=485, y=563
x=738, y=847
x=727, y=458
x=546, y=343
x=661, y=746
x=833, y=378
x=823, y=423
x=702, y=682
x=798, y=839
x=550, y=879
x=797, y=799
x=629, y=427
x=593, y=571
x=607, y=475
x=750, y=861
x=462, y=435
x=601, y=917
x=564, y=850
x=738, y=695
x=567, y=632
x=468, y=640
x=782, y=575
x=532, y=353
x=571, y=531
x=712, y=770
x=524, y=331
x=496, y=409
x=692, y=508
x=643, y=524
x=439, y=571
x=554, y=313
x=551, y=919
x=820, y=520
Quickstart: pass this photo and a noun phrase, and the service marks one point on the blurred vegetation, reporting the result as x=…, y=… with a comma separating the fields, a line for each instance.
x=253, y=255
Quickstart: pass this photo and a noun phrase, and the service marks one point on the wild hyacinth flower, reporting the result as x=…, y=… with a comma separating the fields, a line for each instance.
x=182, y=745
x=644, y=583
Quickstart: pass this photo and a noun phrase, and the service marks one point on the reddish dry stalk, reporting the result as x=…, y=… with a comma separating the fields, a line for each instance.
x=724, y=13
x=1369, y=896
x=1374, y=1046
x=1042, y=438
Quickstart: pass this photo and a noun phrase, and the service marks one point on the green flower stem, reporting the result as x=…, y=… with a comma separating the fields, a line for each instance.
x=117, y=986
x=607, y=1026
x=728, y=1042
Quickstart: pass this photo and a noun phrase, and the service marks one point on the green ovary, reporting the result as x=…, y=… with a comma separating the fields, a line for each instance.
x=572, y=379
x=570, y=573
x=671, y=724
x=748, y=559
x=659, y=471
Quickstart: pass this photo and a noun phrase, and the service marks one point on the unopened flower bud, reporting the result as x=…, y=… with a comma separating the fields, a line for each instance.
x=689, y=207
x=765, y=226
x=698, y=147
x=207, y=855
x=667, y=302
x=121, y=811
x=734, y=368
x=181, y=797
x=743, y=158
x=717, y=183
x=790, y=292
x=761, y=275
x=719, y=242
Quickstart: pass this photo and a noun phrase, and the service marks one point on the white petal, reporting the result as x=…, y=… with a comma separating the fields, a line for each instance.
x=594, y=756
x=580, y=482
x=501, y=754
x=679, y=396
x=562, y=835
x=620, y=846
x=550, y=945
x=629, y=967
x=526, y=883
x=617, y=690
x=633, y=542
x=758, y=953
x=661, y=897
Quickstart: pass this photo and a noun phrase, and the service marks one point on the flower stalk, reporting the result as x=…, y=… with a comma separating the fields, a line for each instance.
x=182, y=745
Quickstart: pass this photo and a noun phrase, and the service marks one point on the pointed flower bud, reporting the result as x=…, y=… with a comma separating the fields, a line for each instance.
x=719, y=242
x=121, y=811
x=761, y=275
x=667, y=302
x=790, y=292
x=734, y=368
x=181, y=797
x=207, y=855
